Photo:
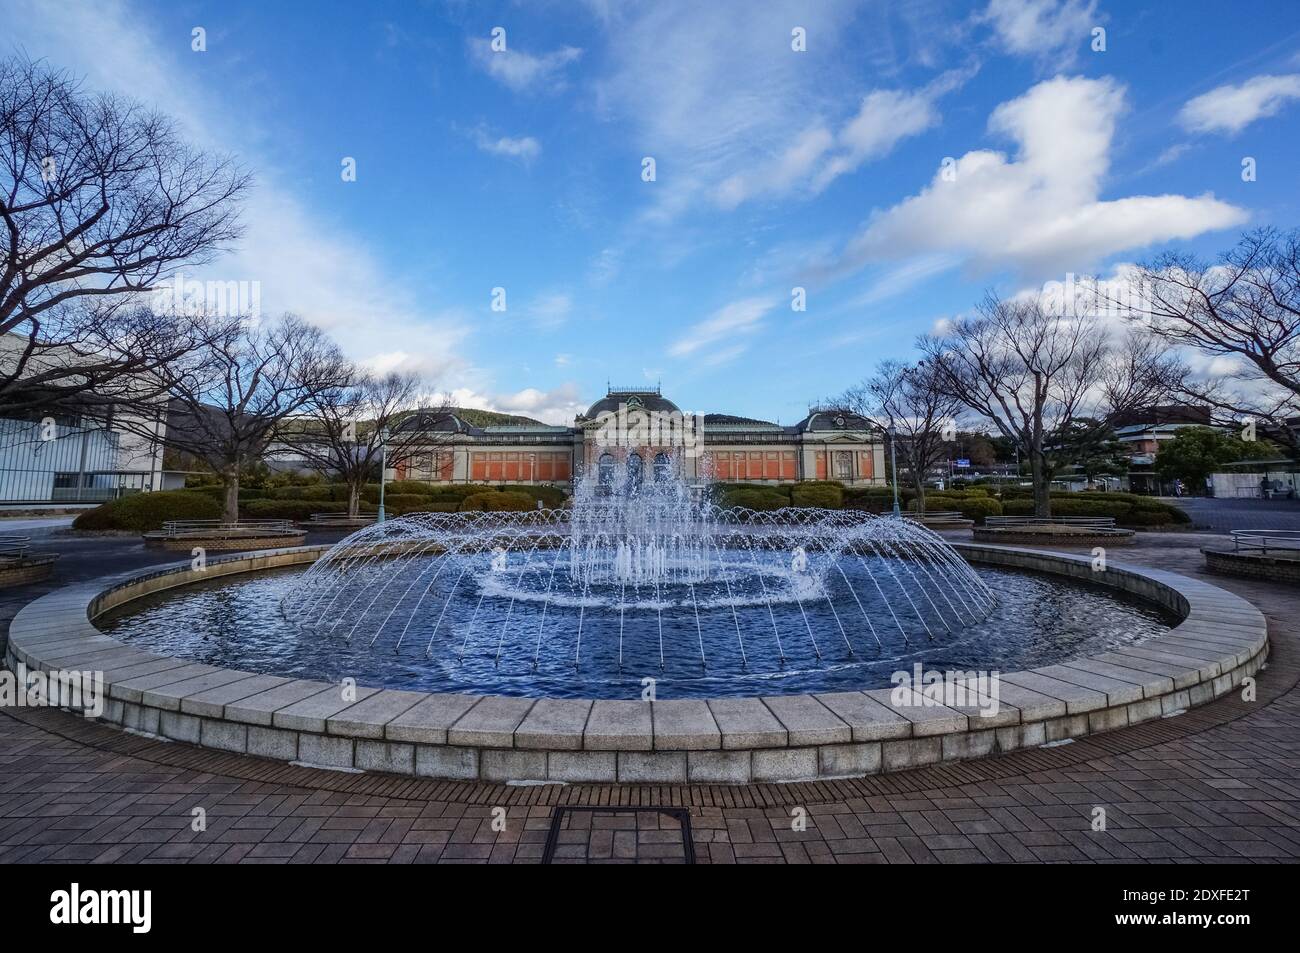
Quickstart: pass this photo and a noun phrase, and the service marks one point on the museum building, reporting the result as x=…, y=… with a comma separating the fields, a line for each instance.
x=640, y=432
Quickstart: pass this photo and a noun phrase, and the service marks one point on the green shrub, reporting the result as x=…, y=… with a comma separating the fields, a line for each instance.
x=755, y=498
x=978, y=507
x=806, y=483
x=497, y=502
x=318, y=492
x=399, y=504
x=552, y=497
x=289, y=509
x=412, y=488
x=1128, y=509
x=141, y=512
x=459, y=491
x=827, y=496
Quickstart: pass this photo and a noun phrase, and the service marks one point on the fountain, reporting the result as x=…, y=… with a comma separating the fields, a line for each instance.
x=642, y=634
x=646, y=579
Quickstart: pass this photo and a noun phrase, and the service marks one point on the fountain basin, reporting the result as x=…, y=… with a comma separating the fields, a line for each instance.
x=1220, y=641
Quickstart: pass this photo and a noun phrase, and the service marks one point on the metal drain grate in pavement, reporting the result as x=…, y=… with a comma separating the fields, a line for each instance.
x=656, y=835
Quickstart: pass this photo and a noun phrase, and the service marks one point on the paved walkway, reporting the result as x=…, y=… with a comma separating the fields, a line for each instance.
x=1225, y=515
x=1219, y=783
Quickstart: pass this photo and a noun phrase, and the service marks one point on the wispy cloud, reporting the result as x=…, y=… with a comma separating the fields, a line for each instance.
x=719, y=332
x=1051, y=31
x=550, y=310
x=524, y=72
x=525, y=148
x=1231, y=108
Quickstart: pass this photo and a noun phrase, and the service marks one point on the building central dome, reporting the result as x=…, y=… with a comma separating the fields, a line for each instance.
x=645, y=398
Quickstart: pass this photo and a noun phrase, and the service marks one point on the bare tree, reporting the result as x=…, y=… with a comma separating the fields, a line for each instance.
x=100, y=200
x=1246, y=307
x=228, y=399
x=919, y=414
x=1033, y=373
x=350, y=431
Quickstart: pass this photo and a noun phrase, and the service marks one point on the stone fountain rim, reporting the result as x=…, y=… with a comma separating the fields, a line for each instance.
x=1221, y=639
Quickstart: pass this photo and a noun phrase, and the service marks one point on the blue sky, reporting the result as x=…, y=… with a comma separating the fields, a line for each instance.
x=775, y=168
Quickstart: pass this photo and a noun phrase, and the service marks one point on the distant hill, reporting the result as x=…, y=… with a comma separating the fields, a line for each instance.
x=490, y=418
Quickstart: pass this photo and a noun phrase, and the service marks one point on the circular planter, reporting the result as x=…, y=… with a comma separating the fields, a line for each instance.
x=26, y=569
x=225, y=540
x=1277, y=567
x=1221, y=640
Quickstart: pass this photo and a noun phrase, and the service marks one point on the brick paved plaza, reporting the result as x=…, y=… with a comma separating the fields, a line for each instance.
x=1220, y=783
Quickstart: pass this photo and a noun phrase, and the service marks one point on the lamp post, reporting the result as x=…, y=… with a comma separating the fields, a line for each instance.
x=383, y=471
x=893, y=465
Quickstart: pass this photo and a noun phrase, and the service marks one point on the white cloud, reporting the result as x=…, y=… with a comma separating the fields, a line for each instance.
x=605, y=266
x=709, y=89
x=524, y=72
x=304, y=264
x=559, y=405
x=524, y=147
x=905, y=277
x=817, y=156
x=1044, y=29
x=1041, y=212
x=1231, y=109
x=737, y=319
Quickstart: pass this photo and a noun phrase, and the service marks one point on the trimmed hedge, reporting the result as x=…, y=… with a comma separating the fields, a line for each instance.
x=399, y=504
x=970, y=507
x=289, y=509
x=318, y=492
x=142, y=512
x=552, y=497
x=497, y=502
x=1128, y=509
x=756, y=498
x=828, y=496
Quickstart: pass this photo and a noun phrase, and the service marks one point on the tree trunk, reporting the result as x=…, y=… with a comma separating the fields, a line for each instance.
x=1042, y=485
x=354, y=499
x=920, y=496
x=230, y=512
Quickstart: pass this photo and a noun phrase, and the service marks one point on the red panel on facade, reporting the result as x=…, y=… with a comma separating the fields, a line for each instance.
x=478, y=467
x=821, y=464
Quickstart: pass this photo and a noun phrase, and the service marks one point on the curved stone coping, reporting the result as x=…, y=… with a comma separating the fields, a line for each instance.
x=1221, y=640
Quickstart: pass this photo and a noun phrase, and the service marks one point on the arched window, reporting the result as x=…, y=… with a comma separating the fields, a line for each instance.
x=605, y=469
x=663, y=467
x=634, y=469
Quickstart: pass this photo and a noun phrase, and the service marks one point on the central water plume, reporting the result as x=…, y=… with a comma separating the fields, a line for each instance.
x=643, y=577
